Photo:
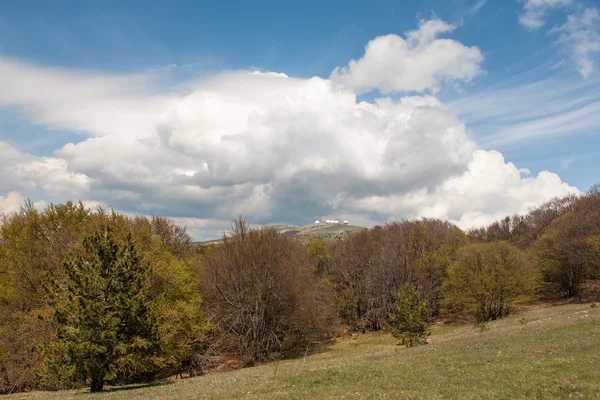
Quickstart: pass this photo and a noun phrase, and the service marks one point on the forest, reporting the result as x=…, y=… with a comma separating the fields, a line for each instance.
x=95, y=298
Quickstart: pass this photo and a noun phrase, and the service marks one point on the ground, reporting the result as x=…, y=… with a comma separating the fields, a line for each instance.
x=550, y=352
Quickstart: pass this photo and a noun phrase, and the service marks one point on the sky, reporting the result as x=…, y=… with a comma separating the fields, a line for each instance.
x=290, y=112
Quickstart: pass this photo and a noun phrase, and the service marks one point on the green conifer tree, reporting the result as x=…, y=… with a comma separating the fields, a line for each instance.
x=408, y=322
x=104, y=324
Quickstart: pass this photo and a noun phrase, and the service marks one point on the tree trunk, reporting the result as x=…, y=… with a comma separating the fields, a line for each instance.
x=97, y=383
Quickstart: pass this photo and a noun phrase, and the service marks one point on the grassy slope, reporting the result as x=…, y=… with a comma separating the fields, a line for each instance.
x=308, y=232
x=551, y=352
x=326, y=231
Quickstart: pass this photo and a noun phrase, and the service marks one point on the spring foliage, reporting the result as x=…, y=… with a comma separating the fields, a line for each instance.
x=105, y=325
x=173, y=307
x=487, y=278
x=408, y=322
x=33, y=247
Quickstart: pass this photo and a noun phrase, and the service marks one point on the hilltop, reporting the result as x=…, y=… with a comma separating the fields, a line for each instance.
x=323, y=231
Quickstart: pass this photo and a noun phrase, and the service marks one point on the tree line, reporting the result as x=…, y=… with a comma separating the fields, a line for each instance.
x=93, y=297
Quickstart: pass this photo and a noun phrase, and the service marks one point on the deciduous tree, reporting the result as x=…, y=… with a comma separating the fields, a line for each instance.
x=487, y=278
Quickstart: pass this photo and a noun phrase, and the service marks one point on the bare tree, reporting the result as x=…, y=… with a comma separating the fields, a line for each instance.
x=260, y=290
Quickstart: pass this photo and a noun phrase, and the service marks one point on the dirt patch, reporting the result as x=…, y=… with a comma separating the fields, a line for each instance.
x=223, y=363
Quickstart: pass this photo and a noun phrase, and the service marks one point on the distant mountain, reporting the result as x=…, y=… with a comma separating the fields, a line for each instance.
x=323, y=231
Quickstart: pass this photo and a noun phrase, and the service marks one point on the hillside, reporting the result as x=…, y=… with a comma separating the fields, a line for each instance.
x=306, y=233
x=545, y=353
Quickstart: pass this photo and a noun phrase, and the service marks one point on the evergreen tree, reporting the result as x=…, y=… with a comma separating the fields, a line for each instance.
x=104, y=324
x=408, y=322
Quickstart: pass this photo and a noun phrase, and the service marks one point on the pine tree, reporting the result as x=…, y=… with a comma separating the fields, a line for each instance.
x=408, y=322
x=104, y=323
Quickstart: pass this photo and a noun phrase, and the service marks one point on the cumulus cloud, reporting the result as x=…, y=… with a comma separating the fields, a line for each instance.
x=580, y=36
x=534, y=11
x=25, y=172
x=420, y=61
x=490, y=189
x=13, y=201
x=264, y=145
x=272, y=147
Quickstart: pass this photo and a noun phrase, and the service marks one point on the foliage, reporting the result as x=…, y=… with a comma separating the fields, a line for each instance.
x=105, y=324
x=265, y=296
x=524, y=230
x=408, y=322
x=320, y=254
x=487, y=278
x=369, y=268
x=569, y=251
x=346, y=303
x=510, y=361
x=182, y=323
x=33, y=246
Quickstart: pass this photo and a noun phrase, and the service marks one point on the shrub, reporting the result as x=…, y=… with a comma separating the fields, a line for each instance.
x=486, y=279
x=408, y=322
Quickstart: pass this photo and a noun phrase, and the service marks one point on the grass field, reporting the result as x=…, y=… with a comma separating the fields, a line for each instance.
x=548, y=353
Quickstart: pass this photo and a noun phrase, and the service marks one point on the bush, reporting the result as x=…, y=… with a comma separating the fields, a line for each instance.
x=486, y=279
x=408, y=322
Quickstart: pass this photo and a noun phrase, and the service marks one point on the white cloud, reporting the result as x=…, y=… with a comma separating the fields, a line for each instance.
x=580, y=36
x=257, y=144
x=476, y=7
x=420, y=61
x=534, y=11
x=25, y=172
x=81, y=101
x=489, y=190
x=272, y=147
x=13, y=201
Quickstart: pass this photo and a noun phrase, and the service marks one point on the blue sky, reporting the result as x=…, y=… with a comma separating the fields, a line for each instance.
x=533, y=95
x=304, y=38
